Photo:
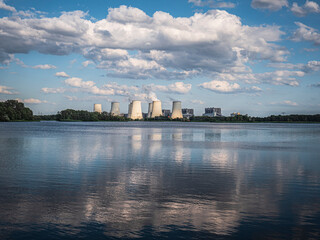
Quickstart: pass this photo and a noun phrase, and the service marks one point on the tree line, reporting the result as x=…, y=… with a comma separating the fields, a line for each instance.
x=12, y=110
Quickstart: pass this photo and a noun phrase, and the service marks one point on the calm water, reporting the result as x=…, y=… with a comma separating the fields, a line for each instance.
x=159, y=180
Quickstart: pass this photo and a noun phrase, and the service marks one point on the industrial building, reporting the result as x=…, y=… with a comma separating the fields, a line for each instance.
x=115, y=109
x=135, y=111
x=156, y=109
x=176, y=110
x=149, y=110
x=166, y=112
x=187, y=112
x=97, y=108
x=212, y=112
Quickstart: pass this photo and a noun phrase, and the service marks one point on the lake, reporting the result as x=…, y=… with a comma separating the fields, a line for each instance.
x=150, y=180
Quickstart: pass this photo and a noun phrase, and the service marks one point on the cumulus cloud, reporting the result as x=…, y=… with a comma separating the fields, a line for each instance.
x=306, y=33
x=286, y=103
x=212, y=3
x=308, y=7
x=44, y=66
x=177, y=87
x=62, y=74
x=289, y=74
x=271, y=5
x=6, y=7
x=86, y=63
x=78, y=82
x=89, y=98
x=129, y=43
x=311, y=66
x=53, y=90
x=196, y=101
x=32, y=101
x=7, y=90
x=278, y=77
x=226, y=87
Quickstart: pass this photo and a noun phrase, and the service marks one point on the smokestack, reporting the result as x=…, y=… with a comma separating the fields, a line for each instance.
x=156, y=109
x=176, y=110
x=129, y=110
x=149, y=110
x=97, y=108
x=115, y=109
x=136, y=112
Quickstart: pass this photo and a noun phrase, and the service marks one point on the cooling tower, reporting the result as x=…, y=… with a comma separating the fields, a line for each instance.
x=136, y=112
x=156, y=109
x=115, y=109
x=176, y=110
x=149, y=110
x=97, y=108
x=129, y=110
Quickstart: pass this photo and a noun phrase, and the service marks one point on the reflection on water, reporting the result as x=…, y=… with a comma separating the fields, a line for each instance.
x=150, y=180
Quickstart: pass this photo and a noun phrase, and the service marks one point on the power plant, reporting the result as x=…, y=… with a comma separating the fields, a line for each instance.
x=115, y=109
x=149, y=110
x=135, y=111
x=176, y=110
x=129, y=110
x=97, y=108
x=156, y=109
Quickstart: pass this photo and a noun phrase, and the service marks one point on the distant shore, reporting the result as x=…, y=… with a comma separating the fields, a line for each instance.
x=14, y=111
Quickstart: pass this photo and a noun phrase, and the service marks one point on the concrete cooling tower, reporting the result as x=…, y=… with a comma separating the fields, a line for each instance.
x=176, y=110
x=156, y=109
x=115, y=109
x=149, y=110
x=136, y=112
x=129, y=110
x=97, y=108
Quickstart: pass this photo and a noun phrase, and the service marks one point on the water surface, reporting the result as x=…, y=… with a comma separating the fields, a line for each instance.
x=147, y=180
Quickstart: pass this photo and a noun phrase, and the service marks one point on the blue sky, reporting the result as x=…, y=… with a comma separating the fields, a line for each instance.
x=256, y=57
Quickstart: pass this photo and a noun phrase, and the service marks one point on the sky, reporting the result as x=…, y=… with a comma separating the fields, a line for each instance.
x=256, y=57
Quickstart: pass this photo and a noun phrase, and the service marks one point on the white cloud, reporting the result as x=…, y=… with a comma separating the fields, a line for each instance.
x=312, y=66
x=226, y=87
x=7, y=90
x=6, y=7
x=62, y=74
x=308, y=7
x=89, y=98
x=196, y=101
x=177, y=87
x=33, y=101
x=272, y=5
x=285, y=65
x=129, y=43
x=78, y=82
x=72, y=98
x=286, y=103
x=53, y=90
x=280, y=77
x=145, y=92
x=86, y=63
x=212, y=3
x=306, y=33
x=44, y=66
